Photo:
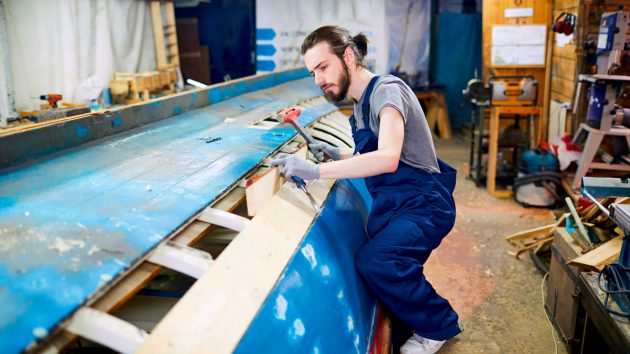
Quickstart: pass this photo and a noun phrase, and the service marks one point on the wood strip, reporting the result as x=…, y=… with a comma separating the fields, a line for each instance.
x=158, y=33
x=120, y=292
x=240, y=280
x=598, y=258
x=261, y=188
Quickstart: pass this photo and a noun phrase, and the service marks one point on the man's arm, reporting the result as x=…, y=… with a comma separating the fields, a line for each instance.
x=383, y=160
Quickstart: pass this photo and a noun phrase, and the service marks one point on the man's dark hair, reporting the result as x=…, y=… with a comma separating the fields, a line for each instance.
x=339, y=39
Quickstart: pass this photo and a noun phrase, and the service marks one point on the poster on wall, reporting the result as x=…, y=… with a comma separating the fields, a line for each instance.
x=282, y=25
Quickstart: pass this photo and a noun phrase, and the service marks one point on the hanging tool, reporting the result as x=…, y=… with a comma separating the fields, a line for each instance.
x=52, y=98
x=290, y=116
x=300, y=183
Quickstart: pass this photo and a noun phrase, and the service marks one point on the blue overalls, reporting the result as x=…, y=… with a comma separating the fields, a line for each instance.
x=412, y=211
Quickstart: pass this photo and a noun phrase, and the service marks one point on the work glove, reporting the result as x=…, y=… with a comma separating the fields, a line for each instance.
x=320, y=149
x=295, y=166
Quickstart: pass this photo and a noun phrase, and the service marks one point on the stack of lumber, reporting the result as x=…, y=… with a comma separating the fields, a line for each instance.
x=597, y=234
x=136, y=87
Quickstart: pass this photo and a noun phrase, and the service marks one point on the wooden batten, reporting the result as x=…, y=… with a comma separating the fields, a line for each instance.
x=215, y=313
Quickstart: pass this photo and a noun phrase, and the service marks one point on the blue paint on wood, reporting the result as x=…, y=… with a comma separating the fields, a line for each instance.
x=73, y=221
x=15, y=149
x=319, y=304
x=81, y=131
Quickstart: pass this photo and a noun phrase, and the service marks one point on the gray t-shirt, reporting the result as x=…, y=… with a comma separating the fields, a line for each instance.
x=390, y=91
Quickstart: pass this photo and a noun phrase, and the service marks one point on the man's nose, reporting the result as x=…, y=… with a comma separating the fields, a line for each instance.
x=319, y=79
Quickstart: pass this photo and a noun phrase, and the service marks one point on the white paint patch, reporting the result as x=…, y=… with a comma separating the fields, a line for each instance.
x=105, y=278
x=81, y=226
x=309, y=254
x=325, y=271
x=26, y=213
x=63, y=246
x=40, y=332
x=340, y=295
x=229, y=120
x=350, y=323
x=298, y=328
x=148, y=188
x=281, y=308
x=93, y=250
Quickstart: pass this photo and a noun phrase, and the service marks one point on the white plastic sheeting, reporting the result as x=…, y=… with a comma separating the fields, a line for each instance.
x=415, y=50
x=56, y=45
x=6, y=88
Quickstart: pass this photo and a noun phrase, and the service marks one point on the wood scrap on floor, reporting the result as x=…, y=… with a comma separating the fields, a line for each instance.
x=535, y=239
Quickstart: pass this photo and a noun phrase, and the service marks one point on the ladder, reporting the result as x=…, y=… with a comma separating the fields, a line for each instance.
x=165, y=34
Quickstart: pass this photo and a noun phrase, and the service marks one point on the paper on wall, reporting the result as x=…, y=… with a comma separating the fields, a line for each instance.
x=531, y=35
x=505, y=55
x=531, y=55
x=504, y=35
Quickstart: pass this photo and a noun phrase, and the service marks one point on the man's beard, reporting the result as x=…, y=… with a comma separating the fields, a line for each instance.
x=343, y=84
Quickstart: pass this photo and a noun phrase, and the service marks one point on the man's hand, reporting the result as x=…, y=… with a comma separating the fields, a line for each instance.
x=321, y=149
x=295, y=166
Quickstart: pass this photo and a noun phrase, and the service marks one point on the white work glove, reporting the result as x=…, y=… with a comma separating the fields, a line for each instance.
x=295, y=166
x=320, y=149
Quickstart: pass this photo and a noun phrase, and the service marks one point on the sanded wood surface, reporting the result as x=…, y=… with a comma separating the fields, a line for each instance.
x=215, y=313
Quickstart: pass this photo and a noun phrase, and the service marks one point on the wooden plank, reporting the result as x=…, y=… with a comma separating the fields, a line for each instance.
x=566, y=52
x=532, y=233
x=566, y=5
x=596, y=259
x=562, y=86
x=172, y=34
x=261, y=188
x=240, y=280
x=564, y=68
x=158, y=33
x=120, y=292
x=493, y=149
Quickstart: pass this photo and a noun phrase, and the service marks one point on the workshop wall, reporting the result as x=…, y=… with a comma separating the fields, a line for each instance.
x=54, y=46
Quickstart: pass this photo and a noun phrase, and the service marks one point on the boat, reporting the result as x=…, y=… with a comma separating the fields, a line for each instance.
x=93, y=207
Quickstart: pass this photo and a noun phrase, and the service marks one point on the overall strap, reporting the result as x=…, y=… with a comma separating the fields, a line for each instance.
x=365, y=104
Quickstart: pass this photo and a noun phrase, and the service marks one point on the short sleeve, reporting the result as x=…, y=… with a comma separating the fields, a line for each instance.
x=389, y=94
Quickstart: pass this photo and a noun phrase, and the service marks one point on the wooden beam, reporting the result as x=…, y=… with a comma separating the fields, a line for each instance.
x=261, y=188
x=598, y=258
x=216, y=312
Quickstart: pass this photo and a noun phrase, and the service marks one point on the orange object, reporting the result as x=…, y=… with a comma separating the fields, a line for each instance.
x=52, y=99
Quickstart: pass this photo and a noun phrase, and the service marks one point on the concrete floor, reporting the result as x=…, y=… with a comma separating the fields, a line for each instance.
x=498, y=297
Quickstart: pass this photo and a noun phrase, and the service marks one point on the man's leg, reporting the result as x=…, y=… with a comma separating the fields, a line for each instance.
x=392, y=265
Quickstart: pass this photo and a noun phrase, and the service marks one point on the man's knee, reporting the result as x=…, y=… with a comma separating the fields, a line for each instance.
x=371, y=261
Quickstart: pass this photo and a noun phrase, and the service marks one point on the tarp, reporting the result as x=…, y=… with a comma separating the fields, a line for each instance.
x=458, y=55
x=56, y=45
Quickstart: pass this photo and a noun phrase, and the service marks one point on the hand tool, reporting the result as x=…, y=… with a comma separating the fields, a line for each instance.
x=290, y=116
x=52, y=98
x=300, y=183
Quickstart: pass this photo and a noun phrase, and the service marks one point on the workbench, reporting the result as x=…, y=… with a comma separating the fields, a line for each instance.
x=615, y=330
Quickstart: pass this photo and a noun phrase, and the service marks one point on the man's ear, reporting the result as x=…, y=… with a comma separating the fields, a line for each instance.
x=348, y=57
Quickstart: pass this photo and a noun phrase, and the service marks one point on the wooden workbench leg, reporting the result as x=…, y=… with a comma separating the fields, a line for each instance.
x=588, y=153
x=493, y=149
x=444, y=125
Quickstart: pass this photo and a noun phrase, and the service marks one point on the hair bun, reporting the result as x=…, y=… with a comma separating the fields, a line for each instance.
x=361, y=42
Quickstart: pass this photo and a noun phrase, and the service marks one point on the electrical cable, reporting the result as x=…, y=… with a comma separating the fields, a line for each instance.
x=616, y=276
x=553, y=330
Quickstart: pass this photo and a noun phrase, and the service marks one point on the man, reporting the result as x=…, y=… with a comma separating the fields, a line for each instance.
x=413, y=207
